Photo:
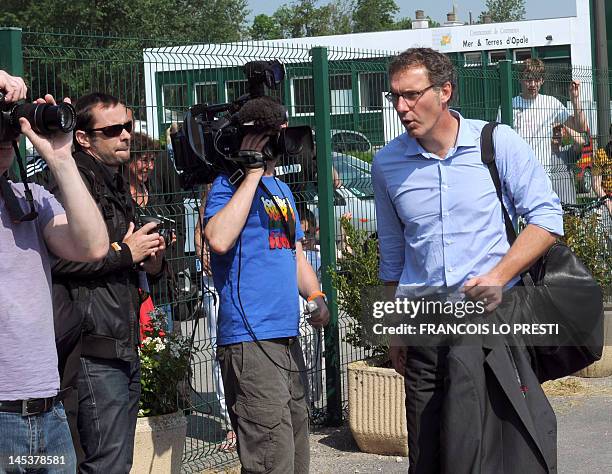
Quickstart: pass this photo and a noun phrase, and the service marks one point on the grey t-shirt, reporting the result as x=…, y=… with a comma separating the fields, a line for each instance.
x=28, y=358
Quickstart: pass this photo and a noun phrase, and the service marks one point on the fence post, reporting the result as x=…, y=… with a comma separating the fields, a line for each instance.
x=320, y=73
x=11, y=55
x=11, y=61
x=505, y=76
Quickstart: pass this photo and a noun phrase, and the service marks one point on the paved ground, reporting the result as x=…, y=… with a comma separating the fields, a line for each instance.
x=584, y=414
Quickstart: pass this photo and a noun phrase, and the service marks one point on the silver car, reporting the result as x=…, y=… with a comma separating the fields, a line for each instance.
x=354, y=196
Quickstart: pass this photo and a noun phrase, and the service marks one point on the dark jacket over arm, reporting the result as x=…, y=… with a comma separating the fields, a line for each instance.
x=104, y=293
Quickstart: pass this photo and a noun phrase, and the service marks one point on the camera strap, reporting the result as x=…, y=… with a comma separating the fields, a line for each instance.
x=12, y=203
x=284, y=219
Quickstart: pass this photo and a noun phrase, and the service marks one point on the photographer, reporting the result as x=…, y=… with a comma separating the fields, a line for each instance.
x=258, y=266
x=102, y=298
x=32, y=419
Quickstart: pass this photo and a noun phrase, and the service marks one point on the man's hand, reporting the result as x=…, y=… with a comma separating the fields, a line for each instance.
x=487, y=289
x=321, y=318
x=255, y=142
x=397, y=354
x=574, y=92
x=14, y=87
x=54, y=149
x=153, y=264
x=141, y=243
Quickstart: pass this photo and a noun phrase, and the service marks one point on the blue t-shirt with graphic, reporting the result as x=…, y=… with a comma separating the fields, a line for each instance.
x=257, y=278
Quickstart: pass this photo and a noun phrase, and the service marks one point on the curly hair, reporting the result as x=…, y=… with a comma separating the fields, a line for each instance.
x=533, y=68
x=439, y=67
x=142, y=144
x=263, y=113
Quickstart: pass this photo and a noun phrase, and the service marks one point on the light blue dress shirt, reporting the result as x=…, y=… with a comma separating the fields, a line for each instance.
x=439, y=221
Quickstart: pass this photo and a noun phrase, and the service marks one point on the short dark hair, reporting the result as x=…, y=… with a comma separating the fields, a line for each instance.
x=307, y=215
x=84, y=110
x=439, y=67
x=264, y=112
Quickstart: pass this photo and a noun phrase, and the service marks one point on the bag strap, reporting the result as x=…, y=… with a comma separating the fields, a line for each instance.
x=487, y=149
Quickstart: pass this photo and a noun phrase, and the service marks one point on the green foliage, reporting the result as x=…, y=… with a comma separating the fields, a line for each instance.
x=304, y=18
x=265, y=27
x=83, y=61
x=355, y=274
x=374, y=15
x=188, y=21
x=403, y=24
x=586, y=237
x=164, y=365
x=433, y=23
x=504, y=10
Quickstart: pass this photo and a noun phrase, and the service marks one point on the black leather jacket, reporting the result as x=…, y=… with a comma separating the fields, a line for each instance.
x=104, y=294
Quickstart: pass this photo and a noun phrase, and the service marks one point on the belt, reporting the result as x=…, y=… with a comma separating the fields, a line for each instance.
x=33, y=406
x=286, y=341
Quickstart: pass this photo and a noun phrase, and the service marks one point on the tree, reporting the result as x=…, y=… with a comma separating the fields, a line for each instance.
x=403, y=24
x=504, y=10
x=341, y=16
x=374, y=15
x=210, y=21
x=304, y=18
x=108, y=56
x=265, y=27
x=433, y=23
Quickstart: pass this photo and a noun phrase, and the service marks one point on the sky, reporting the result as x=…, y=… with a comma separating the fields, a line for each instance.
x=437, y=9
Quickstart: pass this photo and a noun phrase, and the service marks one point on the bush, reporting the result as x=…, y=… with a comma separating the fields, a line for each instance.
x=356, y=272
x=587, y=239
x=164, y=365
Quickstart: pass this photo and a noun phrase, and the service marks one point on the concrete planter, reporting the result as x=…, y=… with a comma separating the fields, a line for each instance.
x=377, y=410
x=159, y=443
x=603, y=367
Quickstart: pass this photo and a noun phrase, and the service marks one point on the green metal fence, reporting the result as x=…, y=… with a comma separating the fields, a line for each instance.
x=340, y=93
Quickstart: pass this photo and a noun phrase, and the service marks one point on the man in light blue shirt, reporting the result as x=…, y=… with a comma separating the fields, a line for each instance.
x=440, y=223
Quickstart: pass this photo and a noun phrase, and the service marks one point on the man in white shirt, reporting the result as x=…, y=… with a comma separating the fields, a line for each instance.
x=535, y=116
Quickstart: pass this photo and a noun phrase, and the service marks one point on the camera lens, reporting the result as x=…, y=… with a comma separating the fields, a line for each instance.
x=46, y=119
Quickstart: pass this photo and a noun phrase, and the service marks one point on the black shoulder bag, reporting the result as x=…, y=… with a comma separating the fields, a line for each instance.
x=578, y=312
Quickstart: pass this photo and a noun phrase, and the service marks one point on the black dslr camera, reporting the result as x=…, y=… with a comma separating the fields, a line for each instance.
x=45, y=119
x=209, y=141
x=165, y=226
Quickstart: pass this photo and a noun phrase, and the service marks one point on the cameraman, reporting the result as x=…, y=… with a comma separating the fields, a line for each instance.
x=258, y=266
x=102, y=298
x=32, y=419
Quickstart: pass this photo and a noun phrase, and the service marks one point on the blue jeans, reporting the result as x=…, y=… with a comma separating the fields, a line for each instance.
x=46, y=436
x=109, y=392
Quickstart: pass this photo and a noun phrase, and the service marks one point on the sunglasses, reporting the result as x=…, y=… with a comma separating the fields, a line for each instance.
x=113, y=130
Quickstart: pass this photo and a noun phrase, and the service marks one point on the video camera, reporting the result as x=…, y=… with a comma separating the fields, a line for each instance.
x=210, y=138
x=45, y=119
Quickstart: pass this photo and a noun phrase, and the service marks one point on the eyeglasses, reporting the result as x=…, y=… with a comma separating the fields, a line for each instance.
x=113, y=130
x=411, y=97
